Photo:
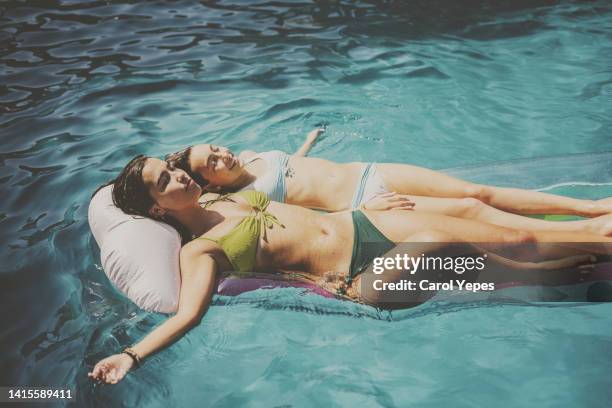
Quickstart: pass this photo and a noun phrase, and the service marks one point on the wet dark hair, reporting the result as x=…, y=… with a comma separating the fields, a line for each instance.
x=131, y=195
x=181, y=160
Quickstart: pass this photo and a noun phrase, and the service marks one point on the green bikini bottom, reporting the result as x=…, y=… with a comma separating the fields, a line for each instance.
x=368, y=243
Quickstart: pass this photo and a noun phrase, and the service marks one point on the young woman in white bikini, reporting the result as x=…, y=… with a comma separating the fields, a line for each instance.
x=326, y=185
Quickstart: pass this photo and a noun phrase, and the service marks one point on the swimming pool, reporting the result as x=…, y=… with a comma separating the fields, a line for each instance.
x=87, y=85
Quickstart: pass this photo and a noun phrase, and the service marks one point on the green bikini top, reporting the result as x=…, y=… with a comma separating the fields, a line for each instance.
x=240, y=244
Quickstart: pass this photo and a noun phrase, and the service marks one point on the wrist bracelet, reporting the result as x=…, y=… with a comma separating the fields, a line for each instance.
x=130, y=352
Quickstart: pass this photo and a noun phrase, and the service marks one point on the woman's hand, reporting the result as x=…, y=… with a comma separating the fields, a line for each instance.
x=389, y=201
x=310, y=139
x=312, y=136
x=112, y=369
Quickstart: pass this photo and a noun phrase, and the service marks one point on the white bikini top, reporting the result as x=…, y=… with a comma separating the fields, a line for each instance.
x=272, y=182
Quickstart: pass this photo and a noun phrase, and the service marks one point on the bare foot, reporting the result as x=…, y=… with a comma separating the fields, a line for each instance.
x=599, y=207
x=601, y=225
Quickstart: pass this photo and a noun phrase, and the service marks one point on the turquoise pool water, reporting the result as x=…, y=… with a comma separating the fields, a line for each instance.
x=87, y=85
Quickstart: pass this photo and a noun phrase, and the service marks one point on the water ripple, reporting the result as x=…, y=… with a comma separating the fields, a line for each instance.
x=88, y=84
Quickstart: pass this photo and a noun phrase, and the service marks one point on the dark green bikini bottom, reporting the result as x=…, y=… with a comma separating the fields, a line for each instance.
x=368, y=243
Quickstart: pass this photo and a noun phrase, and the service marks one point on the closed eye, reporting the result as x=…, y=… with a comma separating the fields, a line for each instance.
x=212, y=161
x=163, y=181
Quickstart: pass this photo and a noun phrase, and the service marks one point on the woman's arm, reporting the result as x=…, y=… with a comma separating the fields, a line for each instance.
x=310, y=139
x=197, y=287
x=198, y=276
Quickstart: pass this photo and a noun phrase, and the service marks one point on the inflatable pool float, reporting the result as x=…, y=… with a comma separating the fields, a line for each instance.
x=147, y=272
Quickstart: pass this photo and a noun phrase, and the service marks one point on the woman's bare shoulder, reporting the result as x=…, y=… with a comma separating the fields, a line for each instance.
x=206, y=246
x=208, y=196
x=246, y=154
x=200, y=246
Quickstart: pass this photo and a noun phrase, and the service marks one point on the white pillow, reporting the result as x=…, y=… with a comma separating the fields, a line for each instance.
x=140, y=256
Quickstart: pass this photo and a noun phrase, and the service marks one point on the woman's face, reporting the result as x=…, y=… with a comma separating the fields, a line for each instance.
x=216, y=164
x=171, y=189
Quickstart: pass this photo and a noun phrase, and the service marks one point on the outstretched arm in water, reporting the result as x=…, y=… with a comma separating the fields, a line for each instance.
x=310, y=139
x=198, y=276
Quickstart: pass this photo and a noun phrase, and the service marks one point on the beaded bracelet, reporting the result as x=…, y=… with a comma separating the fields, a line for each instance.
x=130, y=352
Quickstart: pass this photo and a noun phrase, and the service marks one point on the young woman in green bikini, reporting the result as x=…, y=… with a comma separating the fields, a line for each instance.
x=322, y=184
x=248, y=232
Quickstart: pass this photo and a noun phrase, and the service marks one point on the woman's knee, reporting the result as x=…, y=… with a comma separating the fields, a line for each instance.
x=520, y=237
x=429, y=236
x=470, y=207
x=481, y=192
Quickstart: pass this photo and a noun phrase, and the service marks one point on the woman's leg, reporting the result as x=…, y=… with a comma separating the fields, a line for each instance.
x=407, y=179
x=434, y=243
x=475, y=209
x=396, y=225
